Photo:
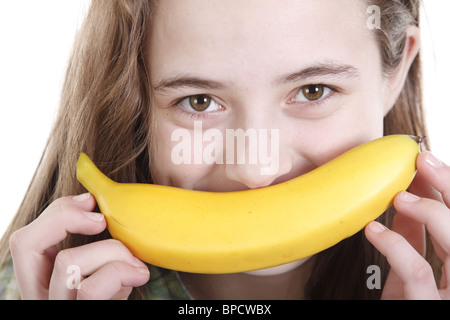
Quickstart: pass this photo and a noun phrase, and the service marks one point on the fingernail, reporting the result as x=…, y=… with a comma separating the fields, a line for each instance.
x=408, y=197
x=433, y=161
x=376, y=227
x=138, y=263
x=82, y=197
x=143, y=270
x=94, y=216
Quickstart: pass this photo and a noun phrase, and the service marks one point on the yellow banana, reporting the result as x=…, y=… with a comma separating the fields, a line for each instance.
x=227, y=232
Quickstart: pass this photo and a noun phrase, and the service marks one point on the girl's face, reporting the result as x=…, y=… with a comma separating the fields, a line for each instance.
x=253, y=93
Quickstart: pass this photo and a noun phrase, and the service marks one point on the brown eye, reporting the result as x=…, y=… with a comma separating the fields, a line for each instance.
x=200, y=102
x=313, y=92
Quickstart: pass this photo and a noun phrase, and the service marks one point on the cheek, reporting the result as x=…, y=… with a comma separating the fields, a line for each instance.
x=329, y=138
x=161, y=162
x=173, y=157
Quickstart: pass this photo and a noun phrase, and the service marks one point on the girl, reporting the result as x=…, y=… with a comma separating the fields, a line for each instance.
x=322, y=74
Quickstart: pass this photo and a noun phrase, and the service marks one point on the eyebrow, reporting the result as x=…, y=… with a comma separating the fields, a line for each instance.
x=188, y=81
x=331, y=69
x=334, y=70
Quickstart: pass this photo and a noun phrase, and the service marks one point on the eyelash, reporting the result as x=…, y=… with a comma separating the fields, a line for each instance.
x=194, y=114
x=313, y=103
x=307, y=105
x=191, y=115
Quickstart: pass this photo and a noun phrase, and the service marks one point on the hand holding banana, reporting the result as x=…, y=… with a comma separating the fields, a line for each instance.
x=226, y=232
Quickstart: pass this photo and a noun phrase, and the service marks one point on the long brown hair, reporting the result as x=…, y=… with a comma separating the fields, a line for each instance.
x=105, y=107
x=105, y=103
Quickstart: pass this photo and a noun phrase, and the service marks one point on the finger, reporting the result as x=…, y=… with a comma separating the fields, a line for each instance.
x=445, y=277
x=436, y=173
x=85, y=261
x=30, y=246
x=421, y=187
x=414, y=233
x=433, y=214
x=113, y=281
x=410, y=267
x=393, y=287
x=61, y=217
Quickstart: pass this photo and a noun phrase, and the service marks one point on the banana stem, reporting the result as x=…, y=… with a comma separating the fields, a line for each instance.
x=420, y=141
x=90, y=176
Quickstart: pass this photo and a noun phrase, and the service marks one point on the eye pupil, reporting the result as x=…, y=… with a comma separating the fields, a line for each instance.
x=200, y=102
x=313, y=92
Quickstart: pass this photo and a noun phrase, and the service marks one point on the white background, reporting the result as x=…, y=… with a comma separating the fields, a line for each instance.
x=36, y=39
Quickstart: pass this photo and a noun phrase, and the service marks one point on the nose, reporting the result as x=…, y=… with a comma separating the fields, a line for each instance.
x=254, y=157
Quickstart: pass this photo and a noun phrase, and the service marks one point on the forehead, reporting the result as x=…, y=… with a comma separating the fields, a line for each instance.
x=199, y=36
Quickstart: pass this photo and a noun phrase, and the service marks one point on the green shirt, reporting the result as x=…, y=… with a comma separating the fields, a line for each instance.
x=8, y=285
